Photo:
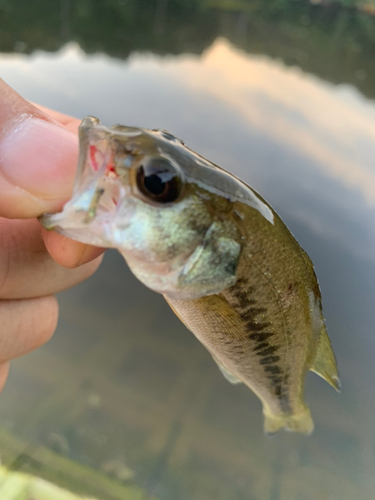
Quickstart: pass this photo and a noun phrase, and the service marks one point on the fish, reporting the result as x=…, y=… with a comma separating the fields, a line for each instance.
x=223, y=259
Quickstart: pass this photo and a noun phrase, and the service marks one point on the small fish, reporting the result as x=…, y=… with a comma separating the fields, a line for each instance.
x=223, y=259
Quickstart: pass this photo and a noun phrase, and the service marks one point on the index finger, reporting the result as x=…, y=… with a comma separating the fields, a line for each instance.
x=69, y=122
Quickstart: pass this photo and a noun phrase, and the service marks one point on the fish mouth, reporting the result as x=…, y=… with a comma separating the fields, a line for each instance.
x=98, y=189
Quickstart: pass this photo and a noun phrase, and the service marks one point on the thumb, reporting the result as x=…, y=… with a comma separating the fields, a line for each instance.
x=38, y=159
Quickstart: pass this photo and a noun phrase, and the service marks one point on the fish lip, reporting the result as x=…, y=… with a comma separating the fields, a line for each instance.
x=96, y=179
x=90, y=123
x=46, y=221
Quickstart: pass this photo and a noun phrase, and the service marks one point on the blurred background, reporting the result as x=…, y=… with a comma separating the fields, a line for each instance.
x=124, y=403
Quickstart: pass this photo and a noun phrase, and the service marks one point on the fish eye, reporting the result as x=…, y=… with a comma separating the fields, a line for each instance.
x=159, y=181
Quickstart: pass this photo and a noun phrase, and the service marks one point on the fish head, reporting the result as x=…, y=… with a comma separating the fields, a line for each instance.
x=166, y=209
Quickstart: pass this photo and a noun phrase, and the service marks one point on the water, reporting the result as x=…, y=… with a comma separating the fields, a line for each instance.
x=280, y=95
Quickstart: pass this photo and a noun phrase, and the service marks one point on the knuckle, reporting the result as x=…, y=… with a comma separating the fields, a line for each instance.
x=7, y=256
x=25, y=325
x=45, y=319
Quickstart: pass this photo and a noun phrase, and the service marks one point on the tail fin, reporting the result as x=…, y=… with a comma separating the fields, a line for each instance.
x=301, y=422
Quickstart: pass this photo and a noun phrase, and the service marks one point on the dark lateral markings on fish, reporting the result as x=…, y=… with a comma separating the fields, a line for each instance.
x=262, y=348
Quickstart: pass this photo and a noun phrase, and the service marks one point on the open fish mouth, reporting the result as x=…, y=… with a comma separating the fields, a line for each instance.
x=98, y=190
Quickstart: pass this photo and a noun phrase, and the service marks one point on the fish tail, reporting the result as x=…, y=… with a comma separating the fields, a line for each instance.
x=300, y=422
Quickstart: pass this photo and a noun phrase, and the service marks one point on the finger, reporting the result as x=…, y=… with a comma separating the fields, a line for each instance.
x=69, y=253
x=38, y=158
x=69, y=122
x=25, y=325
x=26, y=268
x=4, y=371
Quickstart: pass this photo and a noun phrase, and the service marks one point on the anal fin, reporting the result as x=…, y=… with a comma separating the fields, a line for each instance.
x=233, y=379
x=229, y=375
x=324, y=363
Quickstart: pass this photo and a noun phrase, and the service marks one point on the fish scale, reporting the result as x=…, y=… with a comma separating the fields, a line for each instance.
x=216, y=250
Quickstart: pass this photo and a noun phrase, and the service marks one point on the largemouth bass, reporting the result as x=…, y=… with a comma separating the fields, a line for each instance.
x=223, y=259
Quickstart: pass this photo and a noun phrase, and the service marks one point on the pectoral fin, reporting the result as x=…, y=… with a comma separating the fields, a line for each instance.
x=212, y=266
x=324, y=363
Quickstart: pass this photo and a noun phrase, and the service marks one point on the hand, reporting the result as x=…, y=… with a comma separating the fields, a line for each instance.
x=38, y=158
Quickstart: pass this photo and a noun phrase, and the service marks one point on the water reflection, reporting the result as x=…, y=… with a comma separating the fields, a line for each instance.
x=333, y=39
x=161, y=406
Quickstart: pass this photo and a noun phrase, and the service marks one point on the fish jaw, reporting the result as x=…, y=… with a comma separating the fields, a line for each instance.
x=91, y=216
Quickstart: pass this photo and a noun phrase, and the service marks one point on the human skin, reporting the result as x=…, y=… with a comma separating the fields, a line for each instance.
x=38, y=159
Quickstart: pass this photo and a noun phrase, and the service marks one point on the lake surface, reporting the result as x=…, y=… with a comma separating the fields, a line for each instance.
x=123, y=388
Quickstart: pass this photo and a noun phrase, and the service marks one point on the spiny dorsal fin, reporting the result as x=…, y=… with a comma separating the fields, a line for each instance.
x=324, y=363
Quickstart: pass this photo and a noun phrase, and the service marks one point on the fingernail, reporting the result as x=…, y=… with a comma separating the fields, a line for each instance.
x=39, y=157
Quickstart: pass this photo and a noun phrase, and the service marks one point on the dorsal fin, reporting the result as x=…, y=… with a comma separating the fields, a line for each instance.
x=324, y=363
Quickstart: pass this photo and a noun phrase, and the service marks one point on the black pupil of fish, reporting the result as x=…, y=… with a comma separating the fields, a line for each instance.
x=157, y=179
x=154, y=184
